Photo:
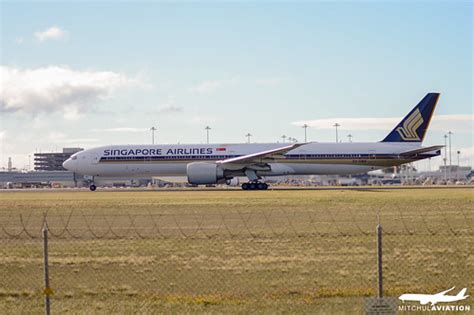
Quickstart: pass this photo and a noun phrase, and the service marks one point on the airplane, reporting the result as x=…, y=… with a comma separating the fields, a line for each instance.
x=434, y=298
x=208, y=164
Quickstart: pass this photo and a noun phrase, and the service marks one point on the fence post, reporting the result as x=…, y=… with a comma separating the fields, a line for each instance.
x=379, y=258
x=47, y=290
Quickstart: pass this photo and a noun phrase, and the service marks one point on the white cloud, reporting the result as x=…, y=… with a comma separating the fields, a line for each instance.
x=350, y=123
x=170, y=108
x=211, y=86
x=122, y=129
x=466, y=155
x=269, y=82
x=207, y=87
x=52, y=33
x=80, y=141
x=19, y=40
x=71, y=113
x=61, y=138
x=203, y=119
x=455, y=123
x=3, y=136
x=56, y=89
x=56, y=136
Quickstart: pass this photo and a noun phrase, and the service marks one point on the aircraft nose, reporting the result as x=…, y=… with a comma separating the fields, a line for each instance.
x=69, y=164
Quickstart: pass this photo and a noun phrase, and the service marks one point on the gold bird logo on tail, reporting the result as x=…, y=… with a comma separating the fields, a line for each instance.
x=410, y=125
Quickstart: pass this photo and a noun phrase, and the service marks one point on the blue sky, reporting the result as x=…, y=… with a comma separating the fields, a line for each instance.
x=90, y=74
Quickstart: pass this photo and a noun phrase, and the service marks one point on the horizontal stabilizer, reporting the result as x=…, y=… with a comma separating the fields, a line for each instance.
x=461, y=294
x=422, y=150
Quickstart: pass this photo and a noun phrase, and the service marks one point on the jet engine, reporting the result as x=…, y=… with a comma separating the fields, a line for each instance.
x=204, y=173
x=233, y=181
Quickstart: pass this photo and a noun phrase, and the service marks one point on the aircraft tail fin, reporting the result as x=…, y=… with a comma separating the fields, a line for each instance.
x=413, y=127
x=461, y=294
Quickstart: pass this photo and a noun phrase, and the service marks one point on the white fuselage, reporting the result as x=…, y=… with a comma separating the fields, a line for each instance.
x=171, y=160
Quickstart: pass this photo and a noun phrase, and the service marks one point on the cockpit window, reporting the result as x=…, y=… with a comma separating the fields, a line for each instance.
x=74, y=157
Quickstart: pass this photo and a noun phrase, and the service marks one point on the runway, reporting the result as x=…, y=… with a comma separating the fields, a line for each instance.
x=236, y=189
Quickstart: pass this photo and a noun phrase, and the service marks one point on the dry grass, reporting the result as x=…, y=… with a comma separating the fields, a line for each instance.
x=213, y=252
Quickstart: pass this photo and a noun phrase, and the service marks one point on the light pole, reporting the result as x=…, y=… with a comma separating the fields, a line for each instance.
x=248, y=137
x=445, y=155
x=305, y=126
x=350, y=137
x=207, y=133
x=450, y=156
x=337, y=137
x=283, y=137
x=153, y=129
x=457, y=169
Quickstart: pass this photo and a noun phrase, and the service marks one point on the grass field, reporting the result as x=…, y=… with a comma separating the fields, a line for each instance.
x=231, y=251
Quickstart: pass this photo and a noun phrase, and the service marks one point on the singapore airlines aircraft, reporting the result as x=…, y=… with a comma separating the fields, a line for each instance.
x=219, y=163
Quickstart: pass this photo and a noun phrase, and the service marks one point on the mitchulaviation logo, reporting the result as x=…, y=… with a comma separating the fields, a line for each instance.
x=433, y=300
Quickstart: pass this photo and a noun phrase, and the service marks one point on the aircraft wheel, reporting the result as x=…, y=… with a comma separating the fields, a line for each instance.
x=245, y=186
x=265, y=186
x=92, y=187
x=253, y=186
x=260, y=186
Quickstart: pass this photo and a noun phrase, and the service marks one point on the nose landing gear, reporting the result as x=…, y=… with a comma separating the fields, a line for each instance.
x=254, y=186
x=92, y=185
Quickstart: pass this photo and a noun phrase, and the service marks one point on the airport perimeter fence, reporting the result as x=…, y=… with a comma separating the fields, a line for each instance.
x=239, y=261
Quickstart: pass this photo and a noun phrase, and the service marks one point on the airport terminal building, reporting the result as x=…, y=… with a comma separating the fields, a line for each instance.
x=49, y=172
x=53, y=161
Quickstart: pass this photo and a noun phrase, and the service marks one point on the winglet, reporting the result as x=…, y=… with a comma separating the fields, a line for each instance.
x=413, y=127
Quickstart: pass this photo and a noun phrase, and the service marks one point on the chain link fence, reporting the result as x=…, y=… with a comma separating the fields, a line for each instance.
x=321, y=261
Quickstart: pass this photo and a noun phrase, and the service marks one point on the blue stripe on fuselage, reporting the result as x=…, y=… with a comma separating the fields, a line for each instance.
x=287, y=157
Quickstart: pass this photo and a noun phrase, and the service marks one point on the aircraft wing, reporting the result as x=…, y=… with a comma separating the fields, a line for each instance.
x=261, y=157
x=421, y=150
x=444, y=292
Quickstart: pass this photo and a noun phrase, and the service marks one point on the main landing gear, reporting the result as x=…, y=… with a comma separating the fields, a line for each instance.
x=254, y=186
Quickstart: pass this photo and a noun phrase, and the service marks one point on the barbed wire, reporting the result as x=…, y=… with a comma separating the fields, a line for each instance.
x=333, y=221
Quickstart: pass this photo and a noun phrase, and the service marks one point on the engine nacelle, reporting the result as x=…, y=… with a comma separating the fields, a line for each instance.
x=204, y=173
x=233, y=181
